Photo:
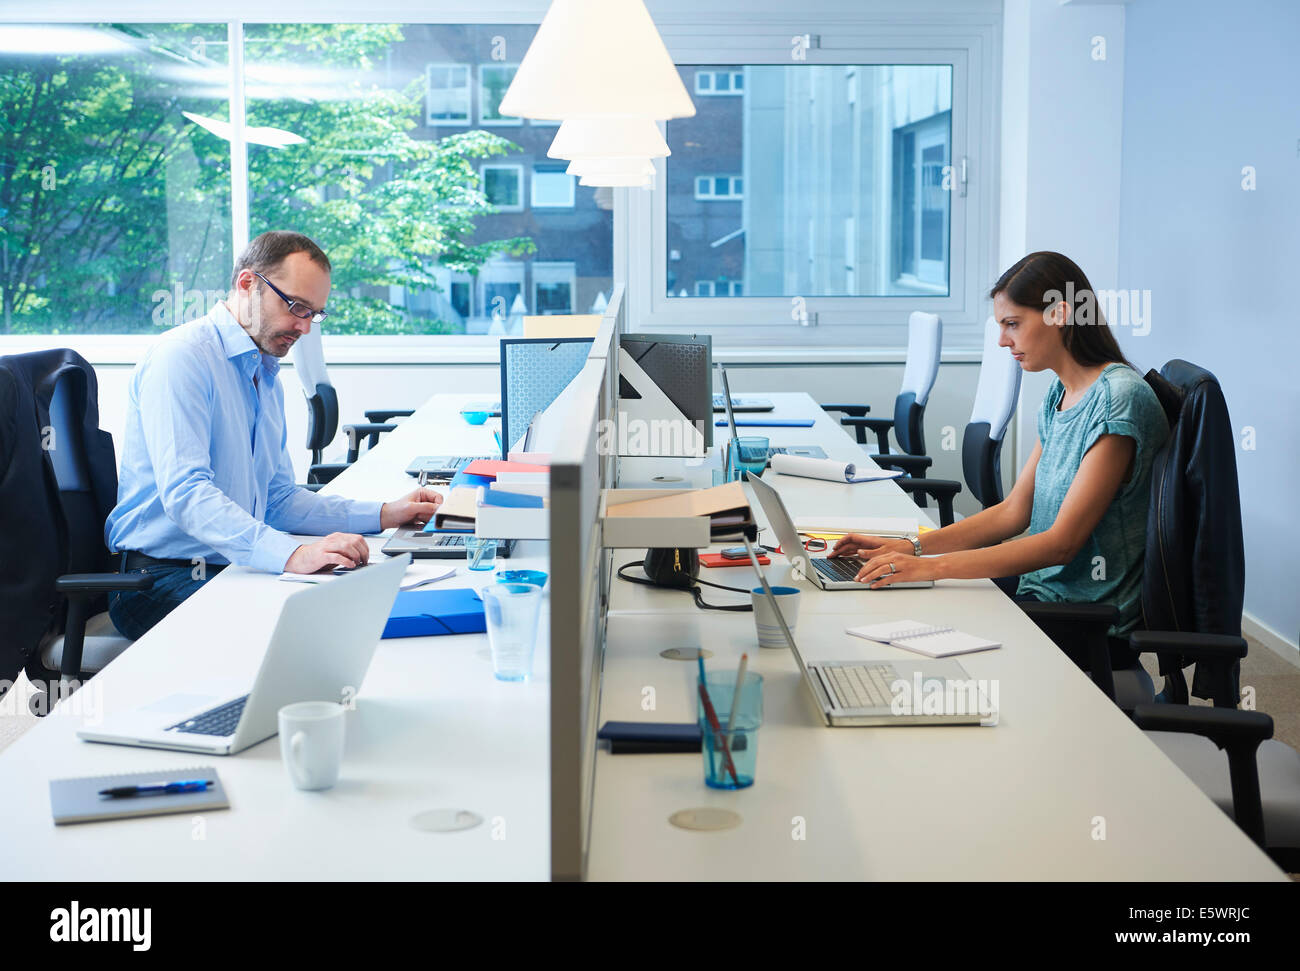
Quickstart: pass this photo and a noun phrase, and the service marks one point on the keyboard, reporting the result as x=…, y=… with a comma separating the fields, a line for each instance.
x=442, y=466
x=219, y=721
x=840, y=568
x=808, y=451
x=859, y=685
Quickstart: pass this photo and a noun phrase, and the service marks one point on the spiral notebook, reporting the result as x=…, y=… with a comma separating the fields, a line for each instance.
x=79, y=801
x=932, y=641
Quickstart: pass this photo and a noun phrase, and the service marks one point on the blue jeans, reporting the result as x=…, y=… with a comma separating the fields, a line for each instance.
x=135, y=612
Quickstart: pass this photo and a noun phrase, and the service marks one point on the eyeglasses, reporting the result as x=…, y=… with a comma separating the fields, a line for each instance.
x=296, y=307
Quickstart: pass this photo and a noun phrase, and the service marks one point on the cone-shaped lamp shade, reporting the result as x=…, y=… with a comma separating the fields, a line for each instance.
x=597, y=57
x=614, y=136
x=611, y=166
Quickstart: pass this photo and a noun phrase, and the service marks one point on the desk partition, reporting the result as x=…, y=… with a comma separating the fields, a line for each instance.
x=580, y=468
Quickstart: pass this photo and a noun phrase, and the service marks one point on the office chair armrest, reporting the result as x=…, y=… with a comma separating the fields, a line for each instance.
x=911, y=464
x=880, y=426
x=79, y=588
x=383, y=415
x=371, y=430
x=1198, y=647
x=941, y=490
x=1100, y=614
x=88, y=584
x=856, y=411
x=1238, y=733
x=319, y=475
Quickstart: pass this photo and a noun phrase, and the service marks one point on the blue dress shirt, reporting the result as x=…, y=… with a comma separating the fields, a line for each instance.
x=205, y=467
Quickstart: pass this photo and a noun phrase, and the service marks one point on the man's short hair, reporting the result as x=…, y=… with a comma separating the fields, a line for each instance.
x=265, y=253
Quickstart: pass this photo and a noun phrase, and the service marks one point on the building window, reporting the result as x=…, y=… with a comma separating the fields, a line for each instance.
x=552, y=188
x=704, y=288
x=719, y=288
x=503, y=186
x=719, y=82
x=715, y=187
x=553, y=285
x=494, y=80
x=447, y=94
x=501, y=303
x=920, y=213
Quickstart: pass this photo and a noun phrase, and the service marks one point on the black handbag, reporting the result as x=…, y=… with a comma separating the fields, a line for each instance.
x=679, y=569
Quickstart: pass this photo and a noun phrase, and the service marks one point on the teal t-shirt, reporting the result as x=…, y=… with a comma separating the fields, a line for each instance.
x=1109, y=566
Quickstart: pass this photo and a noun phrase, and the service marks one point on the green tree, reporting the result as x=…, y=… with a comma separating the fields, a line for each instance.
x=110, y=197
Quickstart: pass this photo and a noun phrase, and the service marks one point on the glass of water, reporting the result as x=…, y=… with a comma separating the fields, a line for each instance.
x=480, y=554
x=512, y=610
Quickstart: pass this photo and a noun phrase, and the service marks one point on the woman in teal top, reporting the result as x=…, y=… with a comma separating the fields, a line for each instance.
x=1081, y=500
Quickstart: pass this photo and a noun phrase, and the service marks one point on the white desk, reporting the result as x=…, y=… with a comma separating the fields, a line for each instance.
x=1020, y=801
x=432, y=729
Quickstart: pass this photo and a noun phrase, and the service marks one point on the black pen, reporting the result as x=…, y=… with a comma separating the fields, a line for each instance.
x=161, y=789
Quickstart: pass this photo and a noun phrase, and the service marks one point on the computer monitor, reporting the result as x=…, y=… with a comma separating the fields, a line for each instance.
x=533, y=373
x=680, y=365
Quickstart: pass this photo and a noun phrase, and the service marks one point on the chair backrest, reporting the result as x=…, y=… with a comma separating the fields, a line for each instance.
x=1195, y=568
x=58, y=482
x=996, y=395
x=322, y=399
x=924, y=344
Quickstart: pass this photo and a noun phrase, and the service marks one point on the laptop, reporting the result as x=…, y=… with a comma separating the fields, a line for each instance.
x=414, y=541
x=442, y=466
x=321, y=646
x=740, y=405
x=851, y=694
x=829, y=574
x=726, y=401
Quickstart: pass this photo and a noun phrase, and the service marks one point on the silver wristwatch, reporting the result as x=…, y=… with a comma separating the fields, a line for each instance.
x=916, y=544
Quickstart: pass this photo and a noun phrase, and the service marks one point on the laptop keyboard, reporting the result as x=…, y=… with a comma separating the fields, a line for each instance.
x=219, y=721
x=839, y=569
x=859, y=685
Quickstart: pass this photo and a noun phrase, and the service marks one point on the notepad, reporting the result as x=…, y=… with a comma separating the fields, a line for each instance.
x=932, y=641
x=79, y=801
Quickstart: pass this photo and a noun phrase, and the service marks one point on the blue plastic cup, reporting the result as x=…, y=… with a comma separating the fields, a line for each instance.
x=735, y=743
x=511, y=610
x=751, y=454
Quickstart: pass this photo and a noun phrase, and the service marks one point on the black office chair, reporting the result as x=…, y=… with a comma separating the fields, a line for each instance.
x=1193, y=578
x=58, y=485
x=323, y=414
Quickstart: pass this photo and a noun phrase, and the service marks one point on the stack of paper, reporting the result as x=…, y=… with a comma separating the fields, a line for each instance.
x=725, y=505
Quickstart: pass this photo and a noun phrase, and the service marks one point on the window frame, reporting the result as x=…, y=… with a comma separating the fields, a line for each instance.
x=970, y=47
x=503, y=121
x=431, y=122
x=551, y=170
x=713, y=91
x=552, y=272
x=519, y=181
x=711, y=195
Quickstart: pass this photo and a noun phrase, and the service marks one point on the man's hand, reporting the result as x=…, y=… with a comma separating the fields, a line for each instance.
x=856, y=544
x=417, y=508
x=336, y=549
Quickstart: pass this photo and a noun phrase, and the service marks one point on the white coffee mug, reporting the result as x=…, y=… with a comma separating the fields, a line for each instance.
x=769, y=629
x=311, y=742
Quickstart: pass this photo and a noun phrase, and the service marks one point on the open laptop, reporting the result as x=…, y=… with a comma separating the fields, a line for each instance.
x=829, y=574
x=726, y=401
x=442, y=466
x=743, y=405
x=414, y=541
x=322, y=645
x=851, y=694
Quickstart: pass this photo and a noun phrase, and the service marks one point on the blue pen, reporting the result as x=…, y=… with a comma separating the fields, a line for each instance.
x=162, y=789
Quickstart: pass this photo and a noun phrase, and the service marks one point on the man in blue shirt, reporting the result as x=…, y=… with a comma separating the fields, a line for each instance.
x=206, y=478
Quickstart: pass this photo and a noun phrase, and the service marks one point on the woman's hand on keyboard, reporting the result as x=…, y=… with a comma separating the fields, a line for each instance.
x=891, y=567
x=856, y=544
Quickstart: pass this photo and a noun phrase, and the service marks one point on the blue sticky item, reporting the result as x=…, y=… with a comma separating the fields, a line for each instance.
x=512, y=500
x=475, y=417
x=770, y=423
x=535, y=577
x=463, y=478
x=421, y=613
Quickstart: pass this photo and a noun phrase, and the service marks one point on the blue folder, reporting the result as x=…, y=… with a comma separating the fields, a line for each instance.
x=770, y=423
x=421, y=613
x=512, y=500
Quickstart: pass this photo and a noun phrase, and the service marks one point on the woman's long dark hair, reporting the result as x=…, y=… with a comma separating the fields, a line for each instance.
x=1042, y=279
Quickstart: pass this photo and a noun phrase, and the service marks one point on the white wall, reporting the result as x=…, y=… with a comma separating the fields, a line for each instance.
x=1062, y=115
x=1213, y=88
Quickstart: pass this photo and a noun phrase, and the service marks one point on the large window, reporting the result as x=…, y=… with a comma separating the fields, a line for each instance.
x=114, y=177
x=837, y=174
x=383, y=142
x=829, y=150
